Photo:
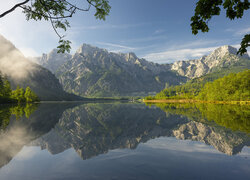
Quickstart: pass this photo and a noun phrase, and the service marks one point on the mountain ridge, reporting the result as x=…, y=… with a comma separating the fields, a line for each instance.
x=222, y=57
x=96, y=72
x=93, y=71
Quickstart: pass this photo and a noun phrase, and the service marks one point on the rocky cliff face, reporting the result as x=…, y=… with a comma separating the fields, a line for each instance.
x=92, y=71
x=96, y=72
x=223, y=57
x=52, y=60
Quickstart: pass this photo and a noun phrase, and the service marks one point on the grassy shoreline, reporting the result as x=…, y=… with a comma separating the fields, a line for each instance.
x=195, y=101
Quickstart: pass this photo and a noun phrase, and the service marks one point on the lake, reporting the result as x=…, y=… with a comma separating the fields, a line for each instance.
x=124, y=141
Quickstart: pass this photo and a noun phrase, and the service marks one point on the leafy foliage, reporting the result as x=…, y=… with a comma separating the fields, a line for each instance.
x=57, y=12
x=186, y=91
x=233, y=87
x=206, y=9
x=19, y=95
x=244, y=44
x=30, y=96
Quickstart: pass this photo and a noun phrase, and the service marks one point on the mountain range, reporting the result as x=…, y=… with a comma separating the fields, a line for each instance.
x=93, y=71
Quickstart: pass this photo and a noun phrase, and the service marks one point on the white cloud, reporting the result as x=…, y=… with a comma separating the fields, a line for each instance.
x=171, y=143
x=159, y=31
x=116, y=47
x=197, y=44
x=238, y=32
x=229, y=30
x=243, y=31
x=107, y=26
x=170, y=56
x=146, y=39
x=185, y=51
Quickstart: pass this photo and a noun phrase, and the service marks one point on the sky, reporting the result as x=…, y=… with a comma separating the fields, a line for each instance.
x=157, y=30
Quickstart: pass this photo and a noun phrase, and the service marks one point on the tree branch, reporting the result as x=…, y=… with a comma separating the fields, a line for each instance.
x=80, y=9
x=51, y=17
x=54, y=26
x=14, y=7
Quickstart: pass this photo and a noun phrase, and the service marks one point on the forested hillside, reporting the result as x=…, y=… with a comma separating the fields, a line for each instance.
x=19, y=95
x=233, y=87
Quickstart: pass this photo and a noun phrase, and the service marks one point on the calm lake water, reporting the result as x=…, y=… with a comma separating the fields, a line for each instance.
x=124, y=141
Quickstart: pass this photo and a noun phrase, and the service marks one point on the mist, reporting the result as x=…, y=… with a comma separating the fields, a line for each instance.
x=12, y=62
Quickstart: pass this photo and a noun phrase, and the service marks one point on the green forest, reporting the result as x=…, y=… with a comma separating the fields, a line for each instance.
x=232, y=87
x=19, y=111
x=19, y=95
x=233, y=117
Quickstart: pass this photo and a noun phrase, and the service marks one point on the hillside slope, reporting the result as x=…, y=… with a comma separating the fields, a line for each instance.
x=23, y=72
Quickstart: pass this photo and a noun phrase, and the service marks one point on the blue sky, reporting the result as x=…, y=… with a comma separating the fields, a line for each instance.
x=158, y=30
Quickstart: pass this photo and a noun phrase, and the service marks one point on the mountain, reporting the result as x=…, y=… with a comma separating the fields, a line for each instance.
x=224, y=57
x=96, y=72
x=92, y=71
x=52, y=60
x=20, y=71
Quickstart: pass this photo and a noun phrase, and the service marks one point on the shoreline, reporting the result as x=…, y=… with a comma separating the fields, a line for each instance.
x=195, y=101
x=80, y=101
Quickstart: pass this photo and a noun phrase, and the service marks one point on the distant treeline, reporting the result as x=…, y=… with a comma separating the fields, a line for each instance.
x=233, y=117
x=233, y=87
x=20, y=95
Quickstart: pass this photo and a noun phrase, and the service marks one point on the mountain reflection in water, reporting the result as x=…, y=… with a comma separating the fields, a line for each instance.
x=94, y=129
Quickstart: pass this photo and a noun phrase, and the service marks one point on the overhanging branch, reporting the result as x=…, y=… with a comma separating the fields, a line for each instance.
x=13, y=8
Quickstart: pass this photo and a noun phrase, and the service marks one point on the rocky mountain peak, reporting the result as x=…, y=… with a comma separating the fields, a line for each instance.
x=226, y=50
x=54, y=56
x=53, y=60
x=96, y=72
x=86, y=49
x=130, y=57
x=221, y=57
